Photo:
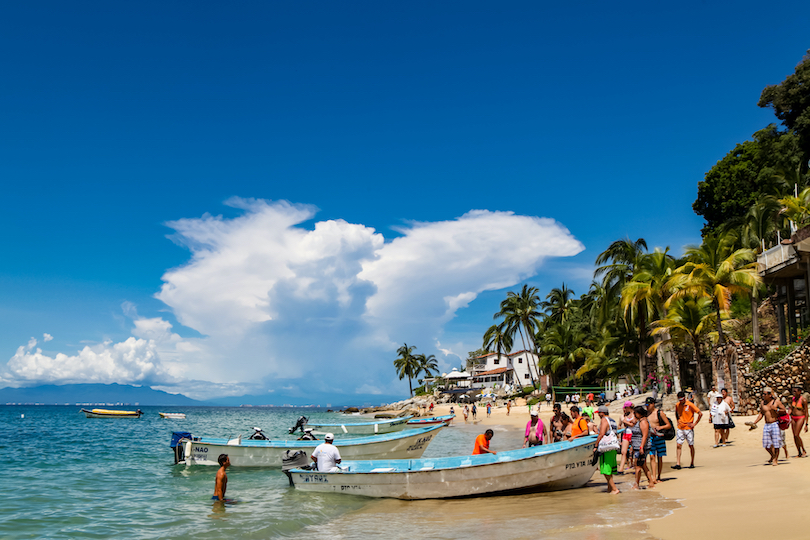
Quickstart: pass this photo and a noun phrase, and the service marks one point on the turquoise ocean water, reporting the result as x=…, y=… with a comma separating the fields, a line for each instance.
x=67, y=476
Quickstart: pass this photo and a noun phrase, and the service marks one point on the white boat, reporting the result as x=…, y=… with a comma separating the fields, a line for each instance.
x=174, y=415
x=109, y=413
x=191, y=450
x=552, y=467
x=376, y=427
x=431, y=420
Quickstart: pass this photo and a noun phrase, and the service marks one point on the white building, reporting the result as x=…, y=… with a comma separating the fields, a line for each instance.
x=499, y=369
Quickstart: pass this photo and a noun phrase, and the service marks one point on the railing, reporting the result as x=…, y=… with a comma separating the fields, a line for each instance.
x=775, y=258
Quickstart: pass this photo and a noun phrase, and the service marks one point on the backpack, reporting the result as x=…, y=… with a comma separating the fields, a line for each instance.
x=667, y=434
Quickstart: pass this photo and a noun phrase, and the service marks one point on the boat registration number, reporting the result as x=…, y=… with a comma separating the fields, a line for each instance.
x=576, y=465
x=315, y=478
x=420, y=443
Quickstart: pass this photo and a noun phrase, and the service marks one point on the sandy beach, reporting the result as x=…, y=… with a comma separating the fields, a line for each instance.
x=731, y=491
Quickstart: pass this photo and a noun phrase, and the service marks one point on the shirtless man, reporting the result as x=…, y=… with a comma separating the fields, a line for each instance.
x=221, y=482
x=658, y=444
x=556, y=424
x=798, y=419
x=771, y=434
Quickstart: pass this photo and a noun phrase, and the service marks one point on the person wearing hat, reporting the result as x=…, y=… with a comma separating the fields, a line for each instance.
x=536, y=432
x=326, y=455
x=607, y=460
x=658, y=444
x=720, y=412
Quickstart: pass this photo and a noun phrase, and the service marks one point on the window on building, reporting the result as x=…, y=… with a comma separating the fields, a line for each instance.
x=520, y=360
x=525, y=375
x=496, y=361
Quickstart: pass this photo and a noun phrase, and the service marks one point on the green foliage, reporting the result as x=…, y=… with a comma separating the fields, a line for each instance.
x=774, y=356
x=746, y=173
x=790, y=101
x=534, y=400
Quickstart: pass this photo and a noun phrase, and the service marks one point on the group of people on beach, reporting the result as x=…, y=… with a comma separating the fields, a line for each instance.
x=647, y=429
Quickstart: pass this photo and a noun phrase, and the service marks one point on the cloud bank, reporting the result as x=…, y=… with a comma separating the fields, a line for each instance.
x=317, y=308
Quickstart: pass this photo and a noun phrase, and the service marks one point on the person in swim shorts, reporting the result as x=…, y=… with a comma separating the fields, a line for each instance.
x=685, y=411
x=221, y=480
x=770, y=409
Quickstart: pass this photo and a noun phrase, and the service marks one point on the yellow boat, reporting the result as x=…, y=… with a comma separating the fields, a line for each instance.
x=108, y=413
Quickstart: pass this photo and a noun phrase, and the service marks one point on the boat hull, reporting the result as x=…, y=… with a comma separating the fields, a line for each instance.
x=104, y=413
x=174, y=415
x=363, y=428
x=546, y=468
x=431, y=421
x=408, y=444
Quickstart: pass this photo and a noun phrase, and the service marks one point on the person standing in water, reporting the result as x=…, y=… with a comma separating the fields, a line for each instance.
x=607, y=460
x=221, y=481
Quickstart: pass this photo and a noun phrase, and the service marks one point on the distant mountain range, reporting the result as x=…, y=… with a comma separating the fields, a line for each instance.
x=143, y=395
x=94, y=393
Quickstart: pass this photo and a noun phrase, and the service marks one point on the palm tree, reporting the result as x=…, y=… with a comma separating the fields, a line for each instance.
x=407, y=364
x=619, y=263
x=688, y=319
x=428, y=364
x=558, y=304
x=563, y=348
x=520, y=313
x=717, y=271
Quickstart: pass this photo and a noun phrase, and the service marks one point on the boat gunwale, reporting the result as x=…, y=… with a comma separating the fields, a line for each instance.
x=300, y=443
x=482, y=460
x=350, y=424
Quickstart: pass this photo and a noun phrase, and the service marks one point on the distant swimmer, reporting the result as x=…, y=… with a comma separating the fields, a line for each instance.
x=221, y=482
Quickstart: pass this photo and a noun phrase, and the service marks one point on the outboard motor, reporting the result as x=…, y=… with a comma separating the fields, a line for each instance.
x=302, y=421
x=294, y=459
x=179, y=449
x=258, y=435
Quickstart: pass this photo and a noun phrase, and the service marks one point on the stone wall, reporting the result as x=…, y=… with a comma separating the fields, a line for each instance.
x=781, y=377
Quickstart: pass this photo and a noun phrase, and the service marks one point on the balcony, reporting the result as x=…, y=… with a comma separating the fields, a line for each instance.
x=776, y=260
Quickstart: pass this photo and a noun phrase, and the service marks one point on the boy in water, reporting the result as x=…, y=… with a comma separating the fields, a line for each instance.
x=221, y=482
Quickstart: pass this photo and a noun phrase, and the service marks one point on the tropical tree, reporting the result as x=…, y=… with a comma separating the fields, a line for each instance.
x=521, y=315
x=790, y=101
x=621, y=261
x=688, y=319
x=558, y=304
x=407, y=364
x=715, y=270
x=563, y=349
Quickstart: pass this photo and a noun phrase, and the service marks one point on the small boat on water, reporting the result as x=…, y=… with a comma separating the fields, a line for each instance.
x=431, y=420
x=108, y=413
x=174, y=415
x=557, y=466
x=376, y=427
x=190, y=450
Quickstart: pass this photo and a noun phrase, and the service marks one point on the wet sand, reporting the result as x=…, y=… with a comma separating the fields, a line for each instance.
x=731, y=491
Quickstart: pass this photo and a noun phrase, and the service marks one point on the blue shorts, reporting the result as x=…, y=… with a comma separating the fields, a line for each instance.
x=658, y=446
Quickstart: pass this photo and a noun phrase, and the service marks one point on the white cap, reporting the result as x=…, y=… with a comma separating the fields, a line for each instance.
x=308, y=429
x=533, y=413
x=330, y=437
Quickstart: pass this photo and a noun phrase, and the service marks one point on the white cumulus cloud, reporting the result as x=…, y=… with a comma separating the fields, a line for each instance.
x=279, y=305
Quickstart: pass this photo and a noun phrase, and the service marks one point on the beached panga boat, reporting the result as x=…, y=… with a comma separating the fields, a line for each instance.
x=108, y=413
x=175, y=415
x=431, y=420
x=552, y=467
x=376, y=427
x=191, y=450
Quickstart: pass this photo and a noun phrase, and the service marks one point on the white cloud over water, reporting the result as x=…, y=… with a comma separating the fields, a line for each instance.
x=321, y=306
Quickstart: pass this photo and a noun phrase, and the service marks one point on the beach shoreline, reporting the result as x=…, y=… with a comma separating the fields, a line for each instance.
x=731, y=489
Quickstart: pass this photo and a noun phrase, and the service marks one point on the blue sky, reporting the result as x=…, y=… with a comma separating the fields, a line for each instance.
x=383, y=126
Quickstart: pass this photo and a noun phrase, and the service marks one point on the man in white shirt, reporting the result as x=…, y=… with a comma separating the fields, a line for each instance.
x=712, y=395
x=326, y=456
x=720, y=412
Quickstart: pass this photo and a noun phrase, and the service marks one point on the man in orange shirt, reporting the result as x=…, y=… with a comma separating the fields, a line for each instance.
x=482, y=443
x=685, y=411
x=580, y=427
